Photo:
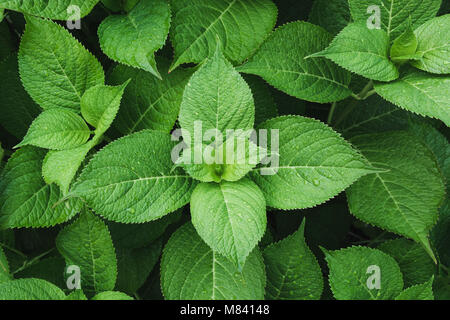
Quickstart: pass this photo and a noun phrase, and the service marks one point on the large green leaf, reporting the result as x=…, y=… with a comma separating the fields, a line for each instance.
x=86, y=243
x=25, y=199
x=52, y=9
x=293, y=272
x=137, y=188
x=284, y=66
x=240, y=25
x=434, y=45
x=54, y=67
x=149, y=103
x=190, y=270
x=419, y=92
x=315, y=164
x=30, y=289
x=132, y=39
x=351, y=270
x=230, y=217
x=394, y=14
x=362, y=51
x=403, y=199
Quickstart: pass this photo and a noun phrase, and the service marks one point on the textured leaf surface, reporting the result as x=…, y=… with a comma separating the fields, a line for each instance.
x=87, y=244
x=284, y=67
x=230, y=217
x=404, y=45
x=362, y=51
x=315, y=164
x=191, y=270
x=293, y=272
x=57, y=129
x=349, y=275
x=405, y=198
x=54, y=67
x=52, y=9
x=240, y=25
x=415, y=264
x=419, y=92
x=76, y=295
x=30, y=289
x=395, y=13
x=418, y=292
x=111, y=295
x=149, y=103
x=26, y=201
x=134, y=189
x=133, y=38
x=332, y=15
x=434, y=45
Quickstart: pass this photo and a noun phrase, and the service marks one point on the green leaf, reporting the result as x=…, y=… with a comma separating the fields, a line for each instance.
x=56, y=10
x=4, y=268
x=86, y=243
x=265, y=107
x=138, y=189
x=315, y=164
x=293, y=272
x=354, y=270
x=286, y=68
x=238, y=213
x=240, y=26
x=404, y=45
x=112, y=295
x=434, y=45
x=76, y=295
x=330, y=15
x=419, y=92
x=57, y=129
x=100, y=104
x=149, y=103
x=132, y=39
x=418, y=292
x=190, y=270
x=30, y=289
x=394, y=14
x=405, y=198
x=26, y=201
x=217, y=96
x=440, y=235
x=54, y=67
x=413, y=260
x=362, y=51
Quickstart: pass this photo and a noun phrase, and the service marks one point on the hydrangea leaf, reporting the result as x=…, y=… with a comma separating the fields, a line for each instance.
x=26, y=200
x=362, y=51
x=315, y=164
x=240, y=26
x=86, y=243
x=394, y=14
x=111, y=295
x=190, y=270
x=230, y=217
x=149, y=103
x=333, y=16
x=4, y=268
x=293, y=272
x=405, y=45
x=405, y=198
x=434, y=45
x=355, y=271
x=76, y=295
x=286, y=68
x=52, y=9
x=134, y=189
x=57, y=129
x=418, y=292
x=30, y=289
x=132, y=39
x=54, y=67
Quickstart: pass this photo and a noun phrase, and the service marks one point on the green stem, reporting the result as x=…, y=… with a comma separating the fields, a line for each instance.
x=28, y=263
x=331, y=113
x=13, y=250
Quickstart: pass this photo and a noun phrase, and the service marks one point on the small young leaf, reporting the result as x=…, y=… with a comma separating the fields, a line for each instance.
x=57, y=129
x=404, y=45
x=190, y=270
x=363, y=273
x=293, y=272
x=418, y=292
x=238, y=213
x=54, y=67
x=76, y=295
x=132, y=39
x=111, y=295
x=86, y=243
x=286, y=68
x=362, y=51
x=30, y=289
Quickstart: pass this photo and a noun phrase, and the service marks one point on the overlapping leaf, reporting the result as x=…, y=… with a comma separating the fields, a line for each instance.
x=30, y=289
